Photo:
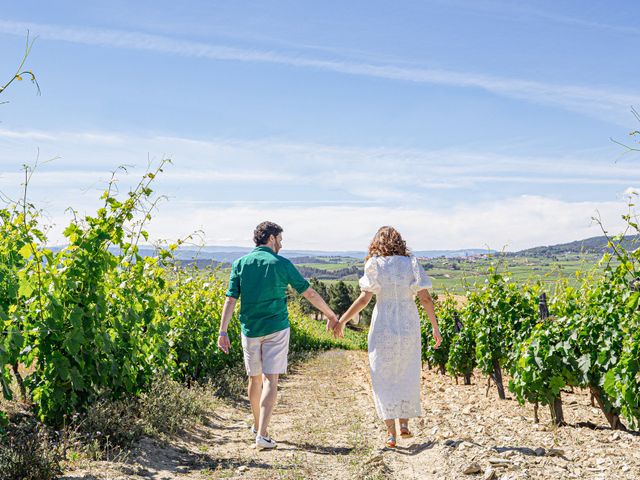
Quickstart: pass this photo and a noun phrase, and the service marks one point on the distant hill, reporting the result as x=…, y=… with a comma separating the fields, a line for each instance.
x=229, y=254
x=212, y=254
x=596, y=245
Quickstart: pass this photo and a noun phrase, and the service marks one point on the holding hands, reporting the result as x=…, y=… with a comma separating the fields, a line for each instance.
x=332, y=322
x=338, y=329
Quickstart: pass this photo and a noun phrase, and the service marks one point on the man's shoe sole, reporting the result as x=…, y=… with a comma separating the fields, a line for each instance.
x=262, y=447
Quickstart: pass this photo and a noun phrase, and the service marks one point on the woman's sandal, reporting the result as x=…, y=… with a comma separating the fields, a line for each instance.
x=404, y=431
x=391, y=441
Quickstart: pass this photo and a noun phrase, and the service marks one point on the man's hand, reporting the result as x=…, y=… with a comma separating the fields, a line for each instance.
x=332, y=320
x=223, y=342
x=438, y=338
x=338, y=330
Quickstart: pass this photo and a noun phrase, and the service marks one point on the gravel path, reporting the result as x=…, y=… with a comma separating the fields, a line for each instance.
x=327, y=428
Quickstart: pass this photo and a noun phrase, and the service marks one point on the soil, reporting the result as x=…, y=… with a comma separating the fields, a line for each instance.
x=326, y=428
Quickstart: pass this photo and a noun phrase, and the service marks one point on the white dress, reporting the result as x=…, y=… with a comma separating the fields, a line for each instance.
x=394, y=336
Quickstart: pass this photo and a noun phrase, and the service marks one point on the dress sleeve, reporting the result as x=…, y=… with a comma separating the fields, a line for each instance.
x=369, y=281
x=420, y=278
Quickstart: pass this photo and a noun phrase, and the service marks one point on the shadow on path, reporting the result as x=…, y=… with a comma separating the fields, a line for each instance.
x=319, y=449
x=414, y=449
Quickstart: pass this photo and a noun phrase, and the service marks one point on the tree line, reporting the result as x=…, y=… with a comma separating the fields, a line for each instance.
x=338, y=295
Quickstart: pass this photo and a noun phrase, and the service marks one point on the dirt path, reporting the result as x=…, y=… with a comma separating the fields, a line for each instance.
x=327, y=428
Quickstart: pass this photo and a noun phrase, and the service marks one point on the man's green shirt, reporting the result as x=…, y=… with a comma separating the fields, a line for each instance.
x=261, y=278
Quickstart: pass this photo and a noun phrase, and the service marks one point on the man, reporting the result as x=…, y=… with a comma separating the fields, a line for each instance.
x=261, y=278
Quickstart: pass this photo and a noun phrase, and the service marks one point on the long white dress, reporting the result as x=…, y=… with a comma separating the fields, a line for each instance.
x=394, y=336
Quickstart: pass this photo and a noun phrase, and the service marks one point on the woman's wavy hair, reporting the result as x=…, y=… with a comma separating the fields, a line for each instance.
x=386, y=242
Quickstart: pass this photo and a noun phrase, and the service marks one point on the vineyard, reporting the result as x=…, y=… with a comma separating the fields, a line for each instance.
x=96, y=323
x=95, y=320
x=549, y=343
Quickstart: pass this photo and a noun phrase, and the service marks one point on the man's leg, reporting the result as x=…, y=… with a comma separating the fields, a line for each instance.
x=274, y=362
x=253, y=363
x=267, y=401
x=255, y=393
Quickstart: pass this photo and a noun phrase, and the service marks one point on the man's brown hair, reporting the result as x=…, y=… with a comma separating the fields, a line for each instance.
x=264, y=230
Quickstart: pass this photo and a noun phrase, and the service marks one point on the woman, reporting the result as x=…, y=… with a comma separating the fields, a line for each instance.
x=396, y=278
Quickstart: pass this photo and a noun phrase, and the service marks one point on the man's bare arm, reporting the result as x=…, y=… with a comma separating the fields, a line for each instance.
x=317, y=301
x=227, y=312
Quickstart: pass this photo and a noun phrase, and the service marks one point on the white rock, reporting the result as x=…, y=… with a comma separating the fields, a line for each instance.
x=243, y=468
x=472, y=468
x=489, y=474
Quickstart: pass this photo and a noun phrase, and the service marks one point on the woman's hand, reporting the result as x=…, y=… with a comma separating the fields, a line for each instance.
x=438, y=338
x=338, y=330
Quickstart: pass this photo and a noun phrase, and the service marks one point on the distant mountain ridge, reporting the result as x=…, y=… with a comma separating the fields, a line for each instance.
x=229, y=254
x=597, y=245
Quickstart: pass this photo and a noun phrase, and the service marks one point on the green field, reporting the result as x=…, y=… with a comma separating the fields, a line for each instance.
x=328, y=266
x=457, y=275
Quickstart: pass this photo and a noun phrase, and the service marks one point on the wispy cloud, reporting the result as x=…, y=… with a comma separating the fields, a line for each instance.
x=323, y=188
x=525, y=12
x=606, y=104
x=393, y=174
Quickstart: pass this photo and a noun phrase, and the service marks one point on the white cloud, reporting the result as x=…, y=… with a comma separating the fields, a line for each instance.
x=328, y=199
x=515, y=223
x=275, y=159
x=605, y=103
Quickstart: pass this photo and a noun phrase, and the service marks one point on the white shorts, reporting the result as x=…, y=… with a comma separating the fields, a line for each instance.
x=267, y=354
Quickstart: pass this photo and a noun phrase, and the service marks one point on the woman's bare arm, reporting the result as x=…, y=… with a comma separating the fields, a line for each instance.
x=356, y=307
x=427, y=304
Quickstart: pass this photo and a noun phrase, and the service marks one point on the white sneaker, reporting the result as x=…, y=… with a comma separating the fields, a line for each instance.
x=263, y=443
x=254, y=430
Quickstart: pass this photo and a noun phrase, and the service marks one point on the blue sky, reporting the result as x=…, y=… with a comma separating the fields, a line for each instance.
x=463, y=123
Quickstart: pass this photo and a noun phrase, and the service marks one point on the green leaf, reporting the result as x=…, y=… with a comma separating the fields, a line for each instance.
x=609, y=383
x=27, y=250
x=556, y=383
x=26, y=288
x=76, y=379
x=61, y=364
x=74, y=340
x=632, y=302
x=584, y=364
